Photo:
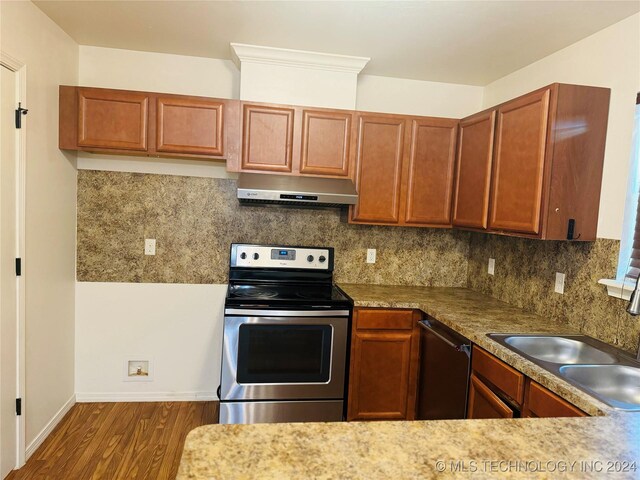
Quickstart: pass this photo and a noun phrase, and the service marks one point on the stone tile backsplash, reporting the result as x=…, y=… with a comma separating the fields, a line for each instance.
x=525, y=277
x=194, y=221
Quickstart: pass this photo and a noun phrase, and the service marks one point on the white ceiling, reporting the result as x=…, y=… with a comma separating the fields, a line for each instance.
x=471, y=42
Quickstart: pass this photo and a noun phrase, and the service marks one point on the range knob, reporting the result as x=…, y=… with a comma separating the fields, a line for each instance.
x=310, y=258
x=243, y=255
x=322, y=258
x=256, y=256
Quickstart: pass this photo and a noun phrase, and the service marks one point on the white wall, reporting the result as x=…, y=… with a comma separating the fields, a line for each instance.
x=297, y=86
x=51, y=58
x=178, y=327
x=609, y=58
x=416, y=97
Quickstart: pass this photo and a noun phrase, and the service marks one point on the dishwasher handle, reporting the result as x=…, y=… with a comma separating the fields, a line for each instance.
x=460, y=347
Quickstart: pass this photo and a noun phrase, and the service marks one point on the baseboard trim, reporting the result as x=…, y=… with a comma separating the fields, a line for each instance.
x=48, y=428
x=88, y=397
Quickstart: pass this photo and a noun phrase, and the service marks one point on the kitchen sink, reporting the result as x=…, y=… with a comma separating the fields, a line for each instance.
x=559, y=350
x=618, y=385
x=595, y=367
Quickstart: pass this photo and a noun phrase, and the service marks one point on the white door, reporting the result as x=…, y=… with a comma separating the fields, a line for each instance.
x=8, y=279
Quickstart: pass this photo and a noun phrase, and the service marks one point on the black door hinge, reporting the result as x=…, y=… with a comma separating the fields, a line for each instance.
x=18, y=267
x=18, y=406
x=19, y=112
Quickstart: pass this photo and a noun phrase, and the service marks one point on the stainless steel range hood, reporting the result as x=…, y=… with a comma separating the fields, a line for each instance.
x=290, y=190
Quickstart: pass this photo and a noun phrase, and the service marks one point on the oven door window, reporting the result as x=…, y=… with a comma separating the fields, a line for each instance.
x=284, y=353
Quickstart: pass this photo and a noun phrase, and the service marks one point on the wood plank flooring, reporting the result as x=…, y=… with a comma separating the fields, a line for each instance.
x=117, y=441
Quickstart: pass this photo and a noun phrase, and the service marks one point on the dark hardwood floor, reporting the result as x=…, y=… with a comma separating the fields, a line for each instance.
x=118, y=441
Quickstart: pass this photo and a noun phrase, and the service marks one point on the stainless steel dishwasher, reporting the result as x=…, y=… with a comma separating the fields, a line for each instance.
x=444, y=372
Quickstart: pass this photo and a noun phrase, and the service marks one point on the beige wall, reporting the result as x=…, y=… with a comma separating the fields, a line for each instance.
x=51, y=58
x=609, y=58
x=417, y=97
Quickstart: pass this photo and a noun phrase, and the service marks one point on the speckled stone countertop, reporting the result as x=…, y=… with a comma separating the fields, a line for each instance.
x=607, y=444
x=474, y=315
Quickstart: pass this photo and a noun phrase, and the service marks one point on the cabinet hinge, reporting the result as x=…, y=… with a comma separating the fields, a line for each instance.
x=19, y=112
x=18, y=406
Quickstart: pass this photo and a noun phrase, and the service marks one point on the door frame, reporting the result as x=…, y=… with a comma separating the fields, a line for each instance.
x=20, y=70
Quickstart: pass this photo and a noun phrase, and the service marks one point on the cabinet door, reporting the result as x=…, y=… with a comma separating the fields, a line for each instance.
x=541, y=402
x=189, y=125
x=114, y=119
x=473, y=178
x=431, y=166
x=267, y=137
x=483, y=403
x=379, y=166
x=380, y=373
x=326, y=143
x=516, y=190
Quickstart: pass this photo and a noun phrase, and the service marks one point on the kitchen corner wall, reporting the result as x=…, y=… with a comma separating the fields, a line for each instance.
x=525, y=277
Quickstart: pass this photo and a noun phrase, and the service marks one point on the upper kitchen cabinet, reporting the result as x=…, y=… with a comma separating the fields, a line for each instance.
x=326, y=142
x=152, y=124
x=294, y=140
x=404, y=170
x=548, y=153
x=516, y=190
x=112, y=119
x=379, y=160
x=431, y=165
x=475, y=153
x=189, y=125
x=267, y=138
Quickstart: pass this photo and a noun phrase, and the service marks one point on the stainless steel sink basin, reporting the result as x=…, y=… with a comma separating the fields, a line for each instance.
x=560, y=350
x=617, y=385
x=599, y=369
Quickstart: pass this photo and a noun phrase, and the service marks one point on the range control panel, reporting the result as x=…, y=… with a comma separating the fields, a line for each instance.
x=262, y=256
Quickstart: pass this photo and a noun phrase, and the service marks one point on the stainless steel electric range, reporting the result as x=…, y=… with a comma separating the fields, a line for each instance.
x=286, y=331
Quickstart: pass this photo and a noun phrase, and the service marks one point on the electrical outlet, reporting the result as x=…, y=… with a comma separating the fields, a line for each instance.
x=149, y=246
x=559, y=283
x=371, y=255
x=491, y=269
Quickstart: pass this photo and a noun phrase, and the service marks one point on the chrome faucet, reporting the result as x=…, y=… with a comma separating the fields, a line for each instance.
x=634, y=308
x=634, y=301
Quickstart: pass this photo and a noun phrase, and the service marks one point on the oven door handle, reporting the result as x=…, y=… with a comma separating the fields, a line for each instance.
x=286, y=313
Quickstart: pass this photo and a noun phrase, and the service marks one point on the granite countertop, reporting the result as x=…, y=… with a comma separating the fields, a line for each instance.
x=587, y=447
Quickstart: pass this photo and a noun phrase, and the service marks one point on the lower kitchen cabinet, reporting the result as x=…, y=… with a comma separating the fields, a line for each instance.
x=484, y=403
x=384, y=365
x=497, y=390
x=540, y=402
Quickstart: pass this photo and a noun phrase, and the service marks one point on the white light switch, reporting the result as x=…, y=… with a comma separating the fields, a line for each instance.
x=371, y=255
x=559, y=283
x=149, y=246
x=491, y=269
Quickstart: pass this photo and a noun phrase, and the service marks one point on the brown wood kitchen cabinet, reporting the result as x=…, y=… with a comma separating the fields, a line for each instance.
x=541, y=402
x=384, y=365
x=497, y=390
x=473, y=176
x=404, y=170
x=546, y=165
x=145, y=123
x=294, y=140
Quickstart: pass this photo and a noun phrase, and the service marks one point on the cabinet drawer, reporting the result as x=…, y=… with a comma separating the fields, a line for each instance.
x=544, y=403
x=381, y=319
x=498, y=373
